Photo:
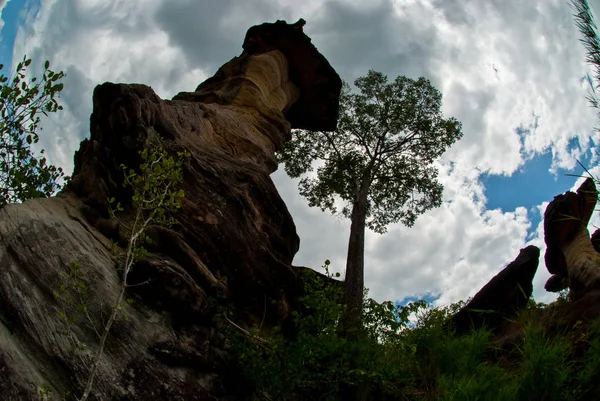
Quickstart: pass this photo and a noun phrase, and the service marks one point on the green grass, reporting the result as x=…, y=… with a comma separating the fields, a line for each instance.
x=486, y=382
x=545, y=365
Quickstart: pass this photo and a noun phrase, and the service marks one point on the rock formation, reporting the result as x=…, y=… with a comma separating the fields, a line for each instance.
x=570, y=255
x=502, y=297
x=234, y=233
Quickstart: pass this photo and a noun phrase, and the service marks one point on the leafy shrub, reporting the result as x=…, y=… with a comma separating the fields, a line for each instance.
x=22, y=174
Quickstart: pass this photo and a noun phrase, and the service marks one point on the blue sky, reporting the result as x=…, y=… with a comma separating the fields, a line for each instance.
x=529, y=186
x=10, y=15
x=510, y=71
x=532, y=184
x=429, y=298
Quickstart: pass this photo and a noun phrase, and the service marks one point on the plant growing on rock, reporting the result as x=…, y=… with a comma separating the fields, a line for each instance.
x=379, y=162
x=156, y=194
x=22, y=174
x=72, y=292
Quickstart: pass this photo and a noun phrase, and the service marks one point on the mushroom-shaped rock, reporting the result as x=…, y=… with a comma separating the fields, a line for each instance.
x=502, y=297
x=234, y=233
x=570, y=254
x=281, y=74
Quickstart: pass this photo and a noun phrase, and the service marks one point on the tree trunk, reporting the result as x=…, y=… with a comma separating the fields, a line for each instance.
x=355, y=262
x=354, y=282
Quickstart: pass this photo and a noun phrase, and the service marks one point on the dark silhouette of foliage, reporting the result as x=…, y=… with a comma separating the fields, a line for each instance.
x=22, y=174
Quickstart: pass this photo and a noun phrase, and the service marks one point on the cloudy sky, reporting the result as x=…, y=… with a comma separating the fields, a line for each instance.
x=510, y=70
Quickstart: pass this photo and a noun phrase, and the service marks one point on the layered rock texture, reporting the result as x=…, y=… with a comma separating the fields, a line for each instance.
x=570, y=256
x=234, y=235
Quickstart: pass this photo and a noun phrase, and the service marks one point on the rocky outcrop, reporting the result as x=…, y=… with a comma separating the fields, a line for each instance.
x=234, y=235
x=502, y=297
x=570, y=255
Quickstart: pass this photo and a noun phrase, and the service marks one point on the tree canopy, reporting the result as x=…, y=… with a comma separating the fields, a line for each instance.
x=389, y=134
x=22, y=174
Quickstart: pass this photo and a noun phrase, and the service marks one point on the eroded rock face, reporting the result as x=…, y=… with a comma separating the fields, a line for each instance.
x=502, y=297
x=570, y=255
x=234, y=233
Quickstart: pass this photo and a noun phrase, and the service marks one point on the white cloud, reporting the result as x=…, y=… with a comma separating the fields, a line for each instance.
x=498, y=64
x=94, y=42
x=514, y=62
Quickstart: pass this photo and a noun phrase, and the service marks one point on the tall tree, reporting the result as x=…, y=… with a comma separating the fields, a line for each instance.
x=379, y=162
x=24, y=175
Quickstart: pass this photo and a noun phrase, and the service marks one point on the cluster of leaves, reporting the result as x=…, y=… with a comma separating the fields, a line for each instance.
x=406, y=353
x=156, y=196
x=584, y=20
x=72, y=292
x=318, y=362
x=22, y=101
x=388, y=136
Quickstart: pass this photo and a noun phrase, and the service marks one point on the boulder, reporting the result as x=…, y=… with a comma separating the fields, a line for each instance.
x=570, y=255
x=502, y=297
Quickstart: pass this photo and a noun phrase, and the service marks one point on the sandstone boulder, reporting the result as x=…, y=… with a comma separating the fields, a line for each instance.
x=570, y=255
x=502, y=297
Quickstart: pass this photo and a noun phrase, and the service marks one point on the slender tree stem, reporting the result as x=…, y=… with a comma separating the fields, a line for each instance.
x=355, y=262
x=115, y=310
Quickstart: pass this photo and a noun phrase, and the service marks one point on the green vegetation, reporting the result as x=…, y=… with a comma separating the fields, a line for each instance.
x=156, y=195
x=379, y=162
x=407, y=354
x=584, y=21
x=22, y=174
x=72, y=292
